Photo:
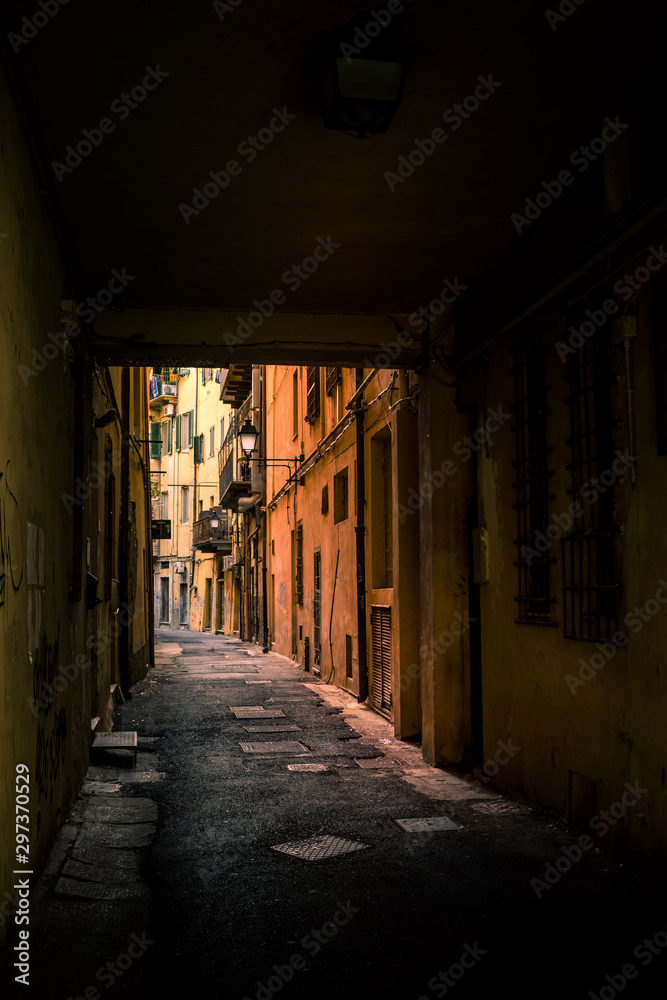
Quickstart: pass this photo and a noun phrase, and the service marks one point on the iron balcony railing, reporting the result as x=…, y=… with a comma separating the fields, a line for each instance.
x=234, y=471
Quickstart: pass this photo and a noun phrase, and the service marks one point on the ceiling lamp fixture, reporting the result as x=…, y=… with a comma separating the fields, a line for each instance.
x=365, y=65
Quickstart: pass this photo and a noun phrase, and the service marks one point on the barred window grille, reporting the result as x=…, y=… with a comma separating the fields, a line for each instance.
x=590, y=604
x=299, y=563
x=333, y=378
x=531, y=486
x=312, y=393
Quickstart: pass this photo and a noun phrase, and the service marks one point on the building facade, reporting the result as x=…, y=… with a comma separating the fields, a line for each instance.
x=188, y=424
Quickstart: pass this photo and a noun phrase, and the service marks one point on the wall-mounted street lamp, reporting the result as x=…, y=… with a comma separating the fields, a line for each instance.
x=248, y=440
x=365, y=65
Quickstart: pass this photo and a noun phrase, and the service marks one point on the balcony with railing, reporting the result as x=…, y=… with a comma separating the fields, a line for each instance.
x=163, y=388
x=234, y=471
x=213, y=531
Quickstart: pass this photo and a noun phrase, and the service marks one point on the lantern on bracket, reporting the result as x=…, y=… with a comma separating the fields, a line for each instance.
x=365, y=64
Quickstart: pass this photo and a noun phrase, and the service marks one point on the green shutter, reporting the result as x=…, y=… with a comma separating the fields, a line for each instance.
x=170, y=425
x=156, y=440
x=178, y=432
x=191, y=424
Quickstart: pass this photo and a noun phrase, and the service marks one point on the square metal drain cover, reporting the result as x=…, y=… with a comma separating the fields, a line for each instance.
x=257, y=712
x=306, y=767
x=375, y=762
x=427, y=824
x=319, y=847
x=273, y=729
x=495, y=807
x=281, y=746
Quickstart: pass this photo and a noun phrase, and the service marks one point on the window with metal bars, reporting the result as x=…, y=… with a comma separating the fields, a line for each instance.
x=299, y=562
x=312, y=394
x=333, y=377
x=531, y=485
x=590, y=604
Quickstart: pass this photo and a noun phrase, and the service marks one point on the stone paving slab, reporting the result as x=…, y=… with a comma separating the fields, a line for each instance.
x=124, y=835
x=71, y=888
x=114, y=859
x=89, y=872
x=103, y=809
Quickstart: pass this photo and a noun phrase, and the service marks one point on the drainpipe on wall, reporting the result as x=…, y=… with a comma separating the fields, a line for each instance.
x=194, y=493
x=265, y=521
x=124, y=527
x=360, y=532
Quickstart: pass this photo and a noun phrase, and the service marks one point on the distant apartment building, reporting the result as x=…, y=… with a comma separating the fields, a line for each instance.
x=188, y=424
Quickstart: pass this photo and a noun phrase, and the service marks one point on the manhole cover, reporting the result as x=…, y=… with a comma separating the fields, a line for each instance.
x=307, y=767
x=282, y=746
x=113, y=741
x=375, y=762
x=320, y=847
x=427, y=824
x=495, y=807
x=257, y=712
x=273, y=729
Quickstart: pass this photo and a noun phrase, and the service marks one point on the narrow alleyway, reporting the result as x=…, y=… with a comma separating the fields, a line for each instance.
x=232, y=917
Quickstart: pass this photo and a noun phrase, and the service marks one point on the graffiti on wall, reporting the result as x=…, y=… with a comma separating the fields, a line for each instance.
x=45, y=671
x=50, y=755
x=12, y=545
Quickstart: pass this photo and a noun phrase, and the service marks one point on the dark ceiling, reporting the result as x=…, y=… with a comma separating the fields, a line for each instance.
x=226, y=75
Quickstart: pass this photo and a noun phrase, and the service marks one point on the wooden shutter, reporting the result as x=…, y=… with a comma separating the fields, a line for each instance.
x=178, y=432
x=191, y=427
x=381, y=657
x=312, y=393
x=156, y=440
x=333, y=376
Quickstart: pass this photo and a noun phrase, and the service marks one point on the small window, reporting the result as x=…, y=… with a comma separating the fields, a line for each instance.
x=185, y=504
x=211, y=442
x=340, y=496
x=325, y=499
